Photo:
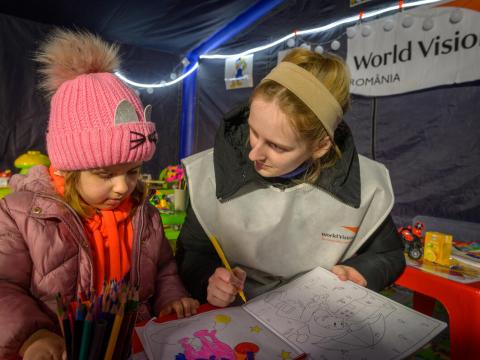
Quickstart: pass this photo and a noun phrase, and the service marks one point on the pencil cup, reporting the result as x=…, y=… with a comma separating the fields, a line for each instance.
x=179, y=199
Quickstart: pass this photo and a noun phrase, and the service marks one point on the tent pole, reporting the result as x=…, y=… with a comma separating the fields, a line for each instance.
x=187, y=123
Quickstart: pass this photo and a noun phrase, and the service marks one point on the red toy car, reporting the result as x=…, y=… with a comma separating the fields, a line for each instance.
x=413, y=240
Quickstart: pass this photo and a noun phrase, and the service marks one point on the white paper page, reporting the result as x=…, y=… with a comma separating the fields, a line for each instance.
x=331, y=319
x=218, y=333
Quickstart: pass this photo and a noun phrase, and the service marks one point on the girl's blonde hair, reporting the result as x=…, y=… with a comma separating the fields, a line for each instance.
x=332, y=71
x=73, y=198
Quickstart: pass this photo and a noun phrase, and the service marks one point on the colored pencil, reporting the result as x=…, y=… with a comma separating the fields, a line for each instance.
x=86, y=335
x=99, y=333
x=67, y=336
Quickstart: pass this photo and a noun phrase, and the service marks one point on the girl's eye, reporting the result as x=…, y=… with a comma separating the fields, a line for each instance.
x=105, y=176
x=134, y=172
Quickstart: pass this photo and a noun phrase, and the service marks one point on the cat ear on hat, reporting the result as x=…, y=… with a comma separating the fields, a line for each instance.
x=125, y=113
x=147, y=113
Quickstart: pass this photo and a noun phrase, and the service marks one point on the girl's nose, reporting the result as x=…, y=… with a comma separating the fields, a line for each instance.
x=120, y=185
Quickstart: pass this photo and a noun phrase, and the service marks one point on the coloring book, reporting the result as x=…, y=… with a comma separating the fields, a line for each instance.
x=316, y=314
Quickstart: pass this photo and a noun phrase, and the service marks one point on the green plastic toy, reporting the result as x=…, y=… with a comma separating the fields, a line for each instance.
x=31, y=158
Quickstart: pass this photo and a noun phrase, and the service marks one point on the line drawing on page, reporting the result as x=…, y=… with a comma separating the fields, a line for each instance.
x=331, y=319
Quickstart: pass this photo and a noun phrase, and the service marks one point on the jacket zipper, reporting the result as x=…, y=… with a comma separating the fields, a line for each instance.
x=137, y=247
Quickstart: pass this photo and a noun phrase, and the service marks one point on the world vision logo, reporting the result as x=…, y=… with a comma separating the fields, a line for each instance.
x=338, y=237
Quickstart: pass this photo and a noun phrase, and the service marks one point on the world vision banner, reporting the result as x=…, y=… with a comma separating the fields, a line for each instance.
x=418, y=49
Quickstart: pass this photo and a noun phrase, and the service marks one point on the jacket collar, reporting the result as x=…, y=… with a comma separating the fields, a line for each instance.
x=233, y=169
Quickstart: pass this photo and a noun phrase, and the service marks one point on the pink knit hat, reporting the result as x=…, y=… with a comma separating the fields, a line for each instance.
x=95, y=119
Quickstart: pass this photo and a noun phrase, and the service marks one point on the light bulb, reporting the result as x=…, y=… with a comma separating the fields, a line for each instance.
x=407, y=21
x=319, y=49
x=427, y=24
x=335, y=45
x=366, y=31
x=150, y=90
x=351, y=32
x=456, y=16
x=291, y=42
x=388, y=25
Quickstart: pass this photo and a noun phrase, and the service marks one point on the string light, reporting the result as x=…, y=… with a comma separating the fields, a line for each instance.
x=162, y=83
x=352, y=19
x=335, y=45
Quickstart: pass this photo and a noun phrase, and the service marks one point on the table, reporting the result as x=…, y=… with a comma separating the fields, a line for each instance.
x=462, y=302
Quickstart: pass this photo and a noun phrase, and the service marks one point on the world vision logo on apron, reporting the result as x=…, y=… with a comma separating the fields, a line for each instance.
x=344, y=237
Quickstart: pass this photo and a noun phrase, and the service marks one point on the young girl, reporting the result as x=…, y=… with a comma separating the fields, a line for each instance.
x=284, y=191
x=85, y=220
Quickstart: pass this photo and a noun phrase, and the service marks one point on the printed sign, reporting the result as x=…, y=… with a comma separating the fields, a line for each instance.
x=414, y=50
x=239, y=72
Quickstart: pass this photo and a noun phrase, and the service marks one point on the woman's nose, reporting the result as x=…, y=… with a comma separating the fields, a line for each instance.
x=257, y=153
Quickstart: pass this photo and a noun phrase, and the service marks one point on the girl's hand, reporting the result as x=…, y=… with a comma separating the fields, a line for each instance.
x=223, y=286
x=345, y=272
x=184, y=307
x=44, y=345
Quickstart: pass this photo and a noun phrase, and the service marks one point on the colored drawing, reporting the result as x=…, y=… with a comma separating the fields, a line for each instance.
x=229, y=334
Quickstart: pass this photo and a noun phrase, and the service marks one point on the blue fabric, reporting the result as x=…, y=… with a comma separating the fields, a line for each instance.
x=299, y=170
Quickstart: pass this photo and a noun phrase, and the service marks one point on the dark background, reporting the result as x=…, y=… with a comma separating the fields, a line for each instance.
x=429, y=140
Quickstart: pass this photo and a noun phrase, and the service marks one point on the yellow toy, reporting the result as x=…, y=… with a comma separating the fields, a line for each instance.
x=438, y=248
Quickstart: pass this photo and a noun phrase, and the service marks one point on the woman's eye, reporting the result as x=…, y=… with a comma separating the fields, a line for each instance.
x=276, y=147
x=105, y=176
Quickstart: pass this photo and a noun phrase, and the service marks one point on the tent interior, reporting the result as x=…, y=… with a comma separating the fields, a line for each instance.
x=428, y=138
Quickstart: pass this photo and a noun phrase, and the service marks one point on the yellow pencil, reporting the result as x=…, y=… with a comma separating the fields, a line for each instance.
x=114, y=333
x=220, y=253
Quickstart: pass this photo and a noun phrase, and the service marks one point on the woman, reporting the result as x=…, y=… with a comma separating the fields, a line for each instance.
x=284, y=191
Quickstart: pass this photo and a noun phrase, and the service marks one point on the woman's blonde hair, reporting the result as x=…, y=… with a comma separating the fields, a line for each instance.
x=332, y=71
x=73, y=198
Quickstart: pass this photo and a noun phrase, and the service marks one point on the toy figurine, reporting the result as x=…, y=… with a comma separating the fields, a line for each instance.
x=4, y=177
x=173, y=176
x=412, y=240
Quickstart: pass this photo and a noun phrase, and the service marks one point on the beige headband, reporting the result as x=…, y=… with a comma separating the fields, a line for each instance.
x=311, y=91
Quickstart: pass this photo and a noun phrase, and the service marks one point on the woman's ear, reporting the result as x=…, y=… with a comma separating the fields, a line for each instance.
x=321, y=148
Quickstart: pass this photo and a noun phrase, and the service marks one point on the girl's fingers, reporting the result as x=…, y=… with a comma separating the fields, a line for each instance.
x=179, y=309
x=165, y=311
x=189, y=306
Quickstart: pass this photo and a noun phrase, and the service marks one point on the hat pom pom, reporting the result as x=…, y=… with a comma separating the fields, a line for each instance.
x=67, y=54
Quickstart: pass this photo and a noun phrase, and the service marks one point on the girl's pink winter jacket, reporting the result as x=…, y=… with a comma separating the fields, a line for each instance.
x=44, y=251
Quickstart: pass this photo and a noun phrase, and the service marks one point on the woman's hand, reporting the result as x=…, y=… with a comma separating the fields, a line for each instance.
x=184, y=307
x=344, y=273
x=224, y=285
x=44, y=345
